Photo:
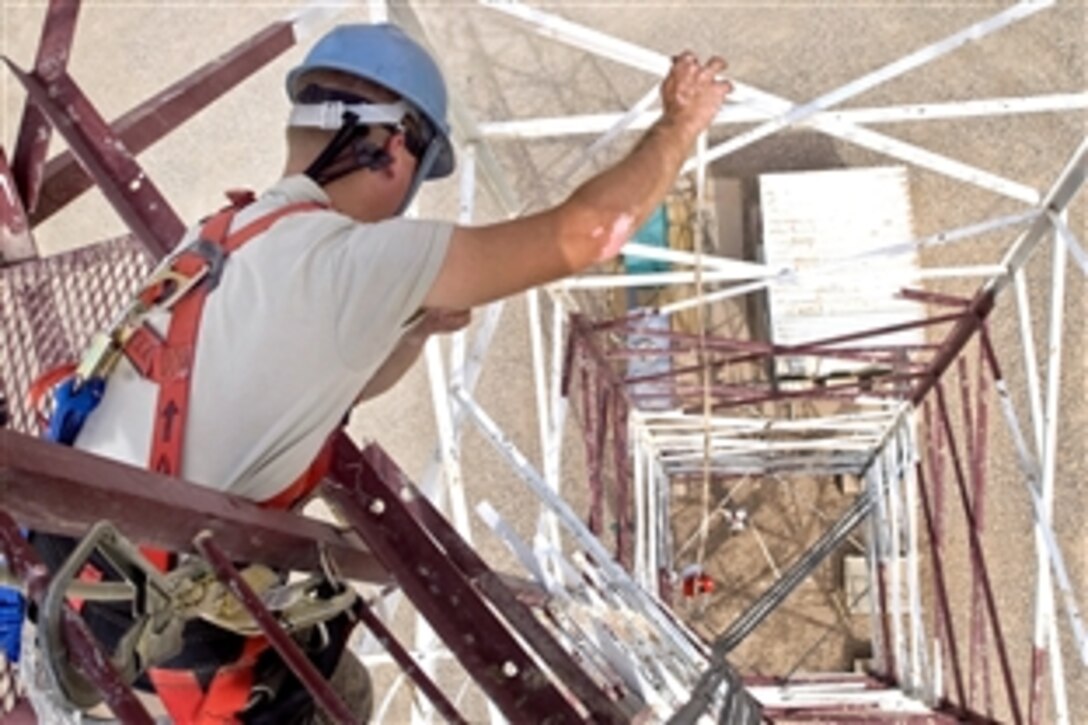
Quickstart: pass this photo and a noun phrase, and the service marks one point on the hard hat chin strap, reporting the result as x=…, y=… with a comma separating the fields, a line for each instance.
x=348, y=151
x=423, y=168
x=352, y=118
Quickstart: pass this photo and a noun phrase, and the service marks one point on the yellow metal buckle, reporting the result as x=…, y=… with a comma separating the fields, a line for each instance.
x=100, y=358
x=180, y=285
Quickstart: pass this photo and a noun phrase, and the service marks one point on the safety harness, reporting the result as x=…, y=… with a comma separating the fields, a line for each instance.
x=180, y=287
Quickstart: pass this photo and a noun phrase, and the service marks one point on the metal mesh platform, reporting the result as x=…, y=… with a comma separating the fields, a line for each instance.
x=50, y=307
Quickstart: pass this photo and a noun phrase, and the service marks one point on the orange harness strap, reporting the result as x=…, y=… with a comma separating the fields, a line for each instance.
x=43, y=384
x=170, y=362
x=189, y=704
x=304, y=484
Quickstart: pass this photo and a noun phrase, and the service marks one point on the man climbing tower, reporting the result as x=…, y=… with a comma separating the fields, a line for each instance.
x=245, y=350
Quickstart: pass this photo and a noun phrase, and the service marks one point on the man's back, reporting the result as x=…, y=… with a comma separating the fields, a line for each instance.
x=301, y=318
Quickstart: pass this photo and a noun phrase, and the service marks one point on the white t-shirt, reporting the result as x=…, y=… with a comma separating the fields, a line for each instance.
x=303, y=316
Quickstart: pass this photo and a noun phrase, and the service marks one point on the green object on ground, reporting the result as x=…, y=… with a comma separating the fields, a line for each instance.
x=654, y=233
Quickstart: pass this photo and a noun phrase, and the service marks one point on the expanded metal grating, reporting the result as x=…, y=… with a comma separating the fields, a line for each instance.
x=50, y=307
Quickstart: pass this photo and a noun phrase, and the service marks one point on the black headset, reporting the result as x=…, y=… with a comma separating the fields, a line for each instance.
x=349, y=150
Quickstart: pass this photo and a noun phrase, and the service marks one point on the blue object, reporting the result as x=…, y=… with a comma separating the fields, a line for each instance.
x=654, y=233
x=12, y=609
x=71, y=406
x=385, y=55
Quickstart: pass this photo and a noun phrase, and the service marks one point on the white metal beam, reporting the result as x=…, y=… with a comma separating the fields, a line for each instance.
x=892, y=70
x=839, y=266
x=575, y=125
x=601, y=44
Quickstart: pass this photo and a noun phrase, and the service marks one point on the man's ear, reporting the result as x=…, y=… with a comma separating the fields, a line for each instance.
x=396, y=148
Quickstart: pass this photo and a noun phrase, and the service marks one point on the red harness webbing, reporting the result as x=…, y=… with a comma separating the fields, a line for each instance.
x=170, y=362
x=190, y=704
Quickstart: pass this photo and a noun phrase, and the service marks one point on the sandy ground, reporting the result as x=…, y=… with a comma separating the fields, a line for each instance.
x=123, y=53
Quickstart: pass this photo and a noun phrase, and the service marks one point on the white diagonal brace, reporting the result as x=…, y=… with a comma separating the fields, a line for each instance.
x=871, y=80
x=836, y=266
x=551, y=127
x=606, y=46
x=1076, y=251
x=1062, y=192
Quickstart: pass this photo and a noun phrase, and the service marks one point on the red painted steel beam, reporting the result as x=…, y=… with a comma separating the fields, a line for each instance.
x=977, y=624
x=16, y=244
x=848, y=391
x=370, y=493
x=624, y=321
x=600, y=383
x=598, y=434
x=1037, y=675
x=82, y=648
x=970, y=323
x=973, y=427
x=570, y=354
x=944, y=612
x=61, y=490
x=1036, y=703
x=34, y=134
x=408, y=664
x=139, y=128
x=978, y=558
x=859, y=354
x=934, y=459
x=827, y=344
x=126, y=187
x=588, y=344
x=620, y=463
x=765, y=389
x=683, y=343
x=824, y=346
x=288, y=649
x=979, y=472
x=936, y=298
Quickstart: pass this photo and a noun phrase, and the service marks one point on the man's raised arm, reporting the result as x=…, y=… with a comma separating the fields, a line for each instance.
x=490, y=262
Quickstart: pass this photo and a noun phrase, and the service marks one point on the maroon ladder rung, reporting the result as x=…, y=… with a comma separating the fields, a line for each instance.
x=139, y=128
x=62, y=490
x=369, y=491
x=32, y=142
x=287, y=648
x=122, y=181
x=502, y=597
x=408, y=665
x=16, y=244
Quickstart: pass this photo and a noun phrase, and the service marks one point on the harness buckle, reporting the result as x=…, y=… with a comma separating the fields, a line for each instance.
x=169, y=285
x=166, y=287
x=215, y=258
x=99, y=360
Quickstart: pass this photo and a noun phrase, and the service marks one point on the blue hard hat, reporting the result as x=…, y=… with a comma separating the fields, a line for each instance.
x=384, y=54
